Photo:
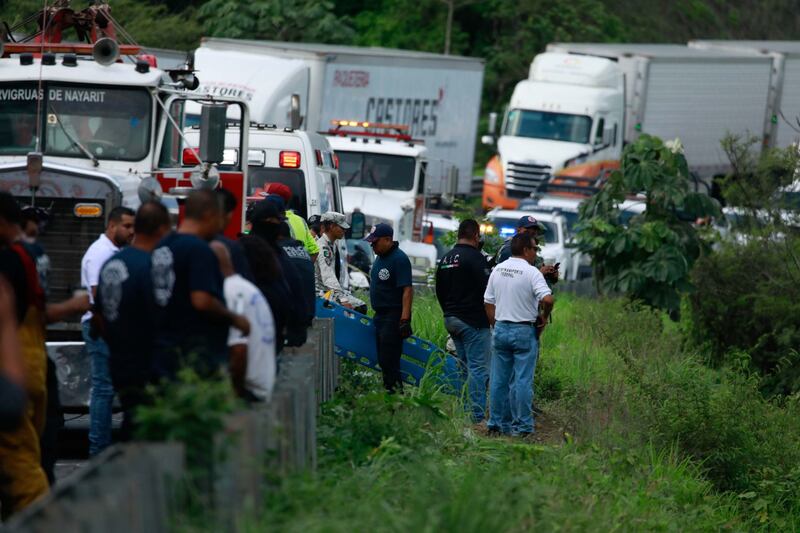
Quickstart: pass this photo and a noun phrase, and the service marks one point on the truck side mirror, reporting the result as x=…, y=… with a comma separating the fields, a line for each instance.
x=358, y=224
x=488, y=140
x=213, y=120
x=492, y=124
x=294, y=112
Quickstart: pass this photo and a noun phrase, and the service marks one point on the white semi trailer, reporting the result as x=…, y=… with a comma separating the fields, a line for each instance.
x=583, y=102
x=436, y=96
x=783, y=109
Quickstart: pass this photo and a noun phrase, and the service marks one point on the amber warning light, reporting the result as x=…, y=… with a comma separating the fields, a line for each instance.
x=88, y=210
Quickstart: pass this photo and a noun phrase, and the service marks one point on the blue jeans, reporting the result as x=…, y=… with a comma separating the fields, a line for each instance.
x=473, y=346
x=102, y=395
x=513, y=365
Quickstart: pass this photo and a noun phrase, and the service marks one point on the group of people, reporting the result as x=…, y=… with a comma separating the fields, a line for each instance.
x=157, y=299
x=495, y=310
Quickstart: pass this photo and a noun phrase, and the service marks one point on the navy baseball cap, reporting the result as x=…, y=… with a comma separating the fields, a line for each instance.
x=378, y=231
x=528, y=222
x=265, y=209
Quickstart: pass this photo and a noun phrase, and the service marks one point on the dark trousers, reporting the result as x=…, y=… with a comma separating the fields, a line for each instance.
x=390, y=347
x=131, y=396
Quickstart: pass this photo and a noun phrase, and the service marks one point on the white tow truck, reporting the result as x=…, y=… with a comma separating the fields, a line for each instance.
x=382, y=172
x=88, y=126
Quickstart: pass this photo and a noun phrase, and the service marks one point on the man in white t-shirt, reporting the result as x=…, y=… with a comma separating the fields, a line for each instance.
x=518, y=303
x=119, y=232
x=252, y=357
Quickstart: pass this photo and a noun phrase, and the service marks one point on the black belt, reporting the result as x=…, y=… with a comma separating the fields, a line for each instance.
x=531, y=323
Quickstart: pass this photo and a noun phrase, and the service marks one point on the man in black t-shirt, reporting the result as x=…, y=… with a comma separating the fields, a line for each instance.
x=461, y=279
x=125, y=310
x=192, y=320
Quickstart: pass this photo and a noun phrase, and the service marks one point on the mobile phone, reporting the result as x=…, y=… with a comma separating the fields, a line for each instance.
x=556, y=265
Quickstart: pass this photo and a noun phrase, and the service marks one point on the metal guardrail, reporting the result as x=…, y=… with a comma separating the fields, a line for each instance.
x=131, y=488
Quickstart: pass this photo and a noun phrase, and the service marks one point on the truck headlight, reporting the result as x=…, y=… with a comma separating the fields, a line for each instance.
x=494, y=171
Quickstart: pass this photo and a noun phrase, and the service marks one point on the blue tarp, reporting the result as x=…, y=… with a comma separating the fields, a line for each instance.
x=355, y=340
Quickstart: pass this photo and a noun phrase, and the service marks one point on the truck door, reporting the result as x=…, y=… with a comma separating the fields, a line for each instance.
x=178, y=166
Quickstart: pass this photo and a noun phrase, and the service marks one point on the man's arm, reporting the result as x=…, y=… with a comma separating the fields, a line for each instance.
x=56, y=312
x=546, y=306
x=408, y=300
x=489, y=312
x=208, y=304
x=237, y=365
x=11, y=362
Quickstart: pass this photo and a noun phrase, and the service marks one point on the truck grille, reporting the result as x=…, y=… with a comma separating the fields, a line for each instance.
x=65, y=239
x=524, y=178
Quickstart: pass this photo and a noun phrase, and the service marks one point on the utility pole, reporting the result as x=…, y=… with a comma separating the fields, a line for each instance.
x=452, y=5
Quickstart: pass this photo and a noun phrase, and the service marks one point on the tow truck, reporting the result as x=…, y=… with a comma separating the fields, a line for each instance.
x=86, y=126
x=383, y=173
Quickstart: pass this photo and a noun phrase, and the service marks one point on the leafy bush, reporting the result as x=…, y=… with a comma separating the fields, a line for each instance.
x=748, y=300
x=650, y=256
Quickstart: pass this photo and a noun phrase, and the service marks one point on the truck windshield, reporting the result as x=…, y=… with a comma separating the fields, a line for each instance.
x=376, y=171
x=110, y=122
x=551, y=126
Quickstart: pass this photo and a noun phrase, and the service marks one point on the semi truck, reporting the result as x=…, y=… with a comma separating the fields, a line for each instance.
x=584, y=102
x=436, y=96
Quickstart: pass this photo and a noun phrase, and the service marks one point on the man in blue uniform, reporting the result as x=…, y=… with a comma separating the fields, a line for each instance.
x=124, y=310
x=192, y=325
x=391, y=295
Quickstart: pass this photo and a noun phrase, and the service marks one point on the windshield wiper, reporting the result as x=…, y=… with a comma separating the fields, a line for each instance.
x=75, y=141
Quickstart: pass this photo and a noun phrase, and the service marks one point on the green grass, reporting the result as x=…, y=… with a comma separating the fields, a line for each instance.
x=652, y=440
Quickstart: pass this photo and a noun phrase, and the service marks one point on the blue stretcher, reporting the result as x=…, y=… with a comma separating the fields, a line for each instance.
x=354, y=339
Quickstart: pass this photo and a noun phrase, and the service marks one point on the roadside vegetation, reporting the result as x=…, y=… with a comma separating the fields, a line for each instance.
x=637, y=434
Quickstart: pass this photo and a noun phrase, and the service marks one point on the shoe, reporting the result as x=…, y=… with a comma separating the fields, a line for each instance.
x=494, y=432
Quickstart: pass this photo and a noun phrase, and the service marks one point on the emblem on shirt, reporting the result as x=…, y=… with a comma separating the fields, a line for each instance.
x=111, y=279
x=163, y=275
x=383, y=274
x=326, y=253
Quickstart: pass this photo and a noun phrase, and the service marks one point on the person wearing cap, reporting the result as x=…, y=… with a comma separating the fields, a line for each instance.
x=328, y=270
x=528, y=224
x=297, y=225
x=266, y=219
x=391, y=295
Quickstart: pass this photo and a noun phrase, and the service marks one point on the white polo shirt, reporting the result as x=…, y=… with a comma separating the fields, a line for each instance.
x=93, y=260
x=516, y=288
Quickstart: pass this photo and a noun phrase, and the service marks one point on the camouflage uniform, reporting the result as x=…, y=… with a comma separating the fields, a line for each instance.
x=325, y=277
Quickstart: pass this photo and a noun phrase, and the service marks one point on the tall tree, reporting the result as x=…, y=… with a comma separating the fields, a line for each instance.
x=277, y=20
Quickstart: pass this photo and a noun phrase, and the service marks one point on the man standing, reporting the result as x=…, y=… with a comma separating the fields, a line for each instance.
x=298, y=226
x=461, y=279
x=530, y=225
x=300, y=262
x=192, y=323
x=252, y=357
x=125, y=311
x=22, y=479
x=391, y=295
x=329, y=277
x=516, y=296
x=119, y=233
x=229, y=203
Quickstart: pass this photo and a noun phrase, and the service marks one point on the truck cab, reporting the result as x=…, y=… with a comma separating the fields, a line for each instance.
x=568, y=112
x=382, y=173
x=79, y=137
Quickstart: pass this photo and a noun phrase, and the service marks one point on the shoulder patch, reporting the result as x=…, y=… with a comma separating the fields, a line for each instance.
x=327, y=255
